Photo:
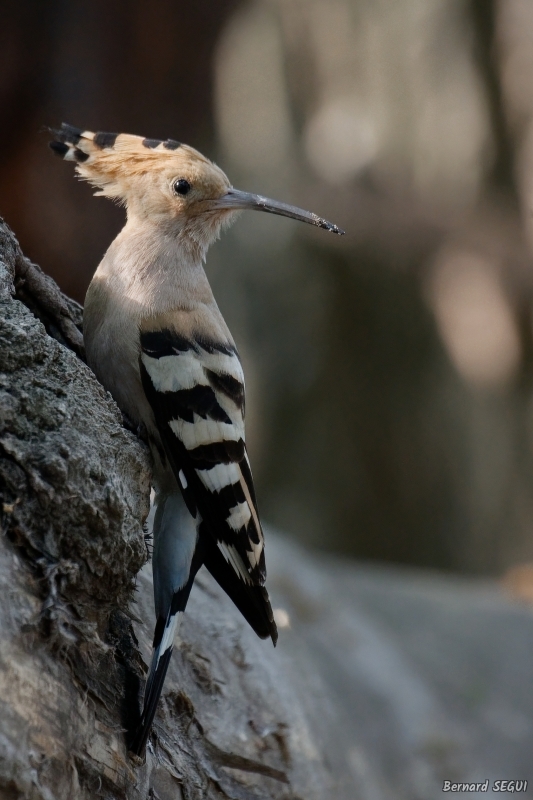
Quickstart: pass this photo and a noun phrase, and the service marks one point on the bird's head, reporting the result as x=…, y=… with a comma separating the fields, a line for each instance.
x=165, y=182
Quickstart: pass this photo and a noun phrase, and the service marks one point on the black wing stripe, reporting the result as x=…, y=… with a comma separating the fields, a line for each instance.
x=207, y=455
x=247, y=475
x=211, y=346
x=231, y=495
x=228, y=385
x=158, y=344
x=200, y=400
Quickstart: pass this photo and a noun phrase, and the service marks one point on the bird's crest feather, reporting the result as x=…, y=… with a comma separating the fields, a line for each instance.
x=109, y=161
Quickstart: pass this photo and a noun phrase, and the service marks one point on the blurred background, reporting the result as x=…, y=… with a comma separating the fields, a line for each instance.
x=389, y=372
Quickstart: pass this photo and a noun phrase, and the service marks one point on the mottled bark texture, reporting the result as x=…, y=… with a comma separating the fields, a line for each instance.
x=74, y=487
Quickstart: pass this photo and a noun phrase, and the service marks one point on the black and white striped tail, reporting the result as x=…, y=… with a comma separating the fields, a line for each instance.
x=164, y=635
x=178, y=555
x=166, y=631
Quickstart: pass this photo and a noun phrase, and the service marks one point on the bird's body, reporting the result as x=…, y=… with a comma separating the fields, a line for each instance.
x=157, y=341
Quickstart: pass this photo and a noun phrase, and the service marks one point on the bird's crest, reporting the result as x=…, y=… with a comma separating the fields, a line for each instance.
x=166, y=180
x=109, y=161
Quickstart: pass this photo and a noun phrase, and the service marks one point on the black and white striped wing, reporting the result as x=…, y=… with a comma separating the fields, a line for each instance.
x=196, y=390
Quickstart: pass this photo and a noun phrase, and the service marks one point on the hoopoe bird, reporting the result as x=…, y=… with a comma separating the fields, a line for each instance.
x=156, y=340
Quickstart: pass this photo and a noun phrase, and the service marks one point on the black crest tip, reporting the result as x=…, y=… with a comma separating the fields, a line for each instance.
x=60, y=148
x=105, y=140
x=71, y=133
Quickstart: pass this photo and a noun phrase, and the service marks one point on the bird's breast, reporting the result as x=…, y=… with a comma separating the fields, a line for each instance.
x=111, y=335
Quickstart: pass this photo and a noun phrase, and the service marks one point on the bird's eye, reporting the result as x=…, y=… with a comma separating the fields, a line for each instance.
x=181, y=186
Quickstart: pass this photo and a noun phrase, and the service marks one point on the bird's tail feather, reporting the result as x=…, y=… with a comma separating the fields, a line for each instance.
x=251, y=599
x=165, y=633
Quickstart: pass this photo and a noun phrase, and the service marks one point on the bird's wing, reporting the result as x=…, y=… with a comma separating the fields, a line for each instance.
x=196, y=390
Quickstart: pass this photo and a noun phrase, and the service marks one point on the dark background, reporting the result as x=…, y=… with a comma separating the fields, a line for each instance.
x=389, y=372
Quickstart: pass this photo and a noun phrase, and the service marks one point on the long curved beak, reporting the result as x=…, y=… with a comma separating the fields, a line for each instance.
x=237, y=200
